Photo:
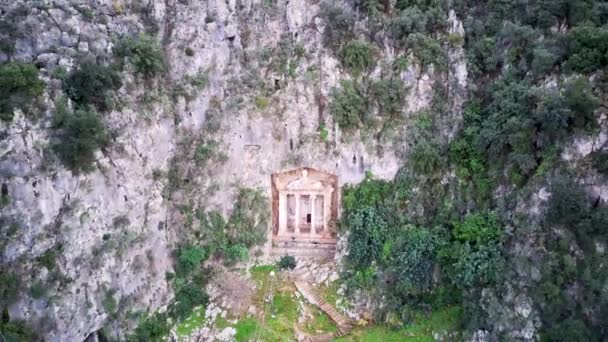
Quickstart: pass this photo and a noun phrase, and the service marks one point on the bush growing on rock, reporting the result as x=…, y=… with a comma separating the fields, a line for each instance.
x=339, y=25
x=92, y=85
x=357, y=56
x=144, y=53
x=348, y=106
x=287, y=262
x=19, y=86
x=81, y=135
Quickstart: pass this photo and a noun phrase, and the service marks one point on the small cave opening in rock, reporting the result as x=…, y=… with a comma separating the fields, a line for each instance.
x=4, y=190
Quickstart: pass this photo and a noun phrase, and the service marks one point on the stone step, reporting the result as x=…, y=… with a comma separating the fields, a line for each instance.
x=312, y=252
x=344, y=324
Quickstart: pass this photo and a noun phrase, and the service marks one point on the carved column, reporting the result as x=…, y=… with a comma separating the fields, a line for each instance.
x=297, y=221
x=283, y=213
x=313, y=198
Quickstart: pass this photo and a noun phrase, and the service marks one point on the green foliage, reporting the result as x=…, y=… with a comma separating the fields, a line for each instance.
x=189, y=259
x=49, y=258
x=236, y=253
x=357, y=56
x=389, y=95
x=10, y=286
x=348, y=106
x=412, y=257
x=144, y=53
x=92, y=84
x=600, y=161
x=248, y=222
x=427, y=50
x=425, y=157
x=339, y=25
x=287, y=262
x=478, y=229
x=16, y=331
x=37, y=290
x=152, y=329
x=207, y=152
x=587, y=48
x=81, y=134
x=19, y=86
x=109, y=302
x=261, y=102
x=188, y=297
x=323, y=132
x=579, y=220
x=368, y=233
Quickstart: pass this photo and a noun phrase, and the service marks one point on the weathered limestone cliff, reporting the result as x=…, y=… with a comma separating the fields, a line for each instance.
x=250, y=79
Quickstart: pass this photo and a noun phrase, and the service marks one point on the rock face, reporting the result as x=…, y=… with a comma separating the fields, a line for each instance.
x=113, y=229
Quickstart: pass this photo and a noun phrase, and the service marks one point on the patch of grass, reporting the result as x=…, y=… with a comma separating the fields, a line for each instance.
x=246, y=328
x=420, y=330
x=321, y=323
x=194, y=321
x=261, y=102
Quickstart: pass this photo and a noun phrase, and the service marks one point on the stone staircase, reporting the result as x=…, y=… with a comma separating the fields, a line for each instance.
x=343, y=323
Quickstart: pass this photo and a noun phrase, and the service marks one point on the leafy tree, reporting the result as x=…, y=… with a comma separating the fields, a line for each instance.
x=389, y=95
x=587, y=48
x=144, y=53
x=425, y=157
x=19, y=86
x=357, y=56
x=348, y=106
x=154, y=329
x=81, y=134
x=368, y=232
x=412, y=258
x=189, y=258
x=338, y=25
x=92, y=84
x=188, y=297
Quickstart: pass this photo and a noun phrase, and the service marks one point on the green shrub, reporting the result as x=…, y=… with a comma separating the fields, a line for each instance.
x=412, y=258
x=347, y=105
x=600, y=161
x=236, y=253
x=81, y=134
x=10, y=286
x=19, y=86
x=187, y=298
x=16, y=331
x=367, y=235
x=189, y=258
x=37, y=290
x=248, y=222
x=144, y=53
x=389, y=95
x=426, y=158
x=48, y=258
x=479, y=229
x=287, y=262
x=109, y=302
x=152, y=329
x=338, y=25
x=427, y=50
x=92, y=84
x=357, y=56
x=261, y=102
x=578, y=96
x=205, y=153
x=587, y=48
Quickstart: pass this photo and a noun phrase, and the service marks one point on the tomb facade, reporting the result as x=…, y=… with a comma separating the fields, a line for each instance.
x=304, y=211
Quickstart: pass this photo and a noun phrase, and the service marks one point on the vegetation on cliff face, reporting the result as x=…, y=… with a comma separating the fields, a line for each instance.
x=536, y=82
x=500, y=207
